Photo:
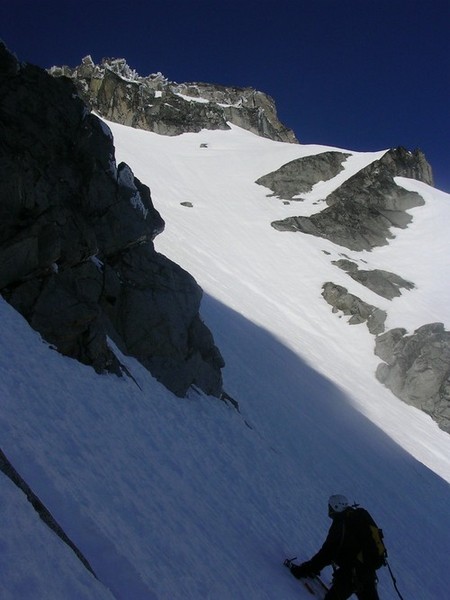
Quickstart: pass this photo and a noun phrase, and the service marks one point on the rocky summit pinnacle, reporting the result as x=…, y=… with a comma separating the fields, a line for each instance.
x=115, y=91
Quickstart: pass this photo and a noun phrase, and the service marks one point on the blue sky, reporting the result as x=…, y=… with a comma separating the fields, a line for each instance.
x=360, y=74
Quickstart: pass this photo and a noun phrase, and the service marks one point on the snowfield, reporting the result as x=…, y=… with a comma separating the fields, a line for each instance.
x=189, y=499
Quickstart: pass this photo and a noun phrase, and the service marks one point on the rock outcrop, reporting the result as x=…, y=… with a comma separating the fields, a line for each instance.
x=118, y=93
x=364, y=209
x=416, y=368
x=300, y=175
x=76, y=241
x=358, y=310
x=383, y=283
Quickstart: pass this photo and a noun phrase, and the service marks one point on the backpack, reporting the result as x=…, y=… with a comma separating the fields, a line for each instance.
x=369, y=536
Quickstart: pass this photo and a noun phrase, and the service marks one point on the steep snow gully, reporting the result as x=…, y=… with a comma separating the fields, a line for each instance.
x=191, y=499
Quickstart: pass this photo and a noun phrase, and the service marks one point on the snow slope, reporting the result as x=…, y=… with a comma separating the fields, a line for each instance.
x=189, y=499
x=274, y=279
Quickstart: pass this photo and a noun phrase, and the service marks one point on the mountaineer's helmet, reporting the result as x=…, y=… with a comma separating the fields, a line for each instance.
x=337, y=504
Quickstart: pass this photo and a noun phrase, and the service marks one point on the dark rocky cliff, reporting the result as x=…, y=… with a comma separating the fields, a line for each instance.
x=119, y=94
x=76, y=241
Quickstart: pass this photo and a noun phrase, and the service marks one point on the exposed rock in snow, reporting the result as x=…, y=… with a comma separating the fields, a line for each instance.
x=383, y=283
x=417, y=368
x=299, y=175
x=362, y=211
x=349, y=304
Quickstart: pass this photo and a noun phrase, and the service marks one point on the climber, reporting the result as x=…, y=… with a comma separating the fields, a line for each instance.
x=344, y=548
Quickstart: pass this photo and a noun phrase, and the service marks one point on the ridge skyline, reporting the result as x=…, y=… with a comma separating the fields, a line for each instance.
x=366, y=77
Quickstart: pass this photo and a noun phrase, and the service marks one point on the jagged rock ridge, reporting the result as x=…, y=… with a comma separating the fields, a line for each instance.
x=118, y=93
x=76, y=241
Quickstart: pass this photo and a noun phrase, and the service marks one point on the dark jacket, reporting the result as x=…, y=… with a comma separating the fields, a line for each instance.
x=341, y=546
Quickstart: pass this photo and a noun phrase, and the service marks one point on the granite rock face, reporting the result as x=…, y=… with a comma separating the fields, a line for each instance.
x=416, y=368
x=76, y=241
x=363, y=210
x=300, y=175
x=119, y=94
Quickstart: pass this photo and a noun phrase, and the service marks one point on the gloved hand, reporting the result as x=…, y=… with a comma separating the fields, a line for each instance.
x=303, y=570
